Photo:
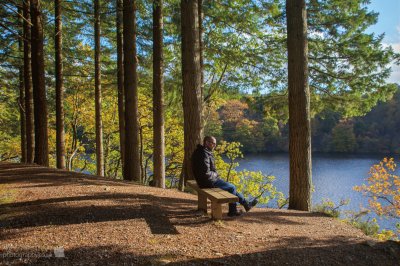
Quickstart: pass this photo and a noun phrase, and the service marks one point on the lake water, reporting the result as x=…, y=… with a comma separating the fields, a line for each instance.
x=334, y=177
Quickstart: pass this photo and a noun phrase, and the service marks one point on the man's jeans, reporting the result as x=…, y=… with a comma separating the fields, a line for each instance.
x=231, y=189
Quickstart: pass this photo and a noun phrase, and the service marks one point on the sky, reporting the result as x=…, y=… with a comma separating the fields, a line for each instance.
x=388, y=23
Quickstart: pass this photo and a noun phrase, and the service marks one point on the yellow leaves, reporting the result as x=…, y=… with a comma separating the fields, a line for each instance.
x=383, y=188
x=10, y=147
x=389, y=164
x=385, y=235
x=230, y=149
x=174, y=140
x=327, y=206
x=250, y=183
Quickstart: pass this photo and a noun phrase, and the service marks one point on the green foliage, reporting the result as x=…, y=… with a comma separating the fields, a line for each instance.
x=260, y=127
x=250, y=183
x=343, y=138
x=368, y=226
x=379, y=130
x=213, y=123
x=282, y=201
x=328, y=207
x=9, y=119
x=383, y=190
x=174, y=151
x=348, y=67
x=244, y=45
x=255, y=184
x=227, y=170
x=244, y=51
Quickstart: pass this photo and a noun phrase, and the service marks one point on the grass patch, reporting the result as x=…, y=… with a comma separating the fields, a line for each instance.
x=369, y=227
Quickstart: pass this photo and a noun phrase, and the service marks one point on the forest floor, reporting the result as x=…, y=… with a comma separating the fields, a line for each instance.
x=54, y=217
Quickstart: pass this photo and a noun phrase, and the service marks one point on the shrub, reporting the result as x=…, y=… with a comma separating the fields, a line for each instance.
x=328, y=207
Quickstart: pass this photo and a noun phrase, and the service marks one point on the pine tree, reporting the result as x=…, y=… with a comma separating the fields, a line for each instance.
x=97, y=88
x=39, y=87
x=29, y=125
x=120, y=80
x=191, y=77
x=21, y=101
x=60, y=133
x=132, y=155
x=158, y=96
x=299, y=107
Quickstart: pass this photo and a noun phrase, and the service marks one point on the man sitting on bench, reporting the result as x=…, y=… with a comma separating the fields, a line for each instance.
x=206, y=175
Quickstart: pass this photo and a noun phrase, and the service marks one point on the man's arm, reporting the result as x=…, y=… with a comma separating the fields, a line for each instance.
x=202, y=170
x=210, y=174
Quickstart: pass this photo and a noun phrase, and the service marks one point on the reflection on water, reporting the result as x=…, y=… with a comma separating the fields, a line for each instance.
x=334, y=176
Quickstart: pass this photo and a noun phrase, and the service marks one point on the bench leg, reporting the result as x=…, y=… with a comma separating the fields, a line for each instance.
x=202, y=203
x=216, y=210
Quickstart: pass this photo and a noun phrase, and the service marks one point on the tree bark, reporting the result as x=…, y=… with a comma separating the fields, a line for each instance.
x=201, y=45
x=21, y=104
x=97, y=89
x=39, y=88
x=60, y=133
x=191, y=77
x=132, y=153
x=120, y=77
x=299, y=106
x=30, y=135
x=158, y=95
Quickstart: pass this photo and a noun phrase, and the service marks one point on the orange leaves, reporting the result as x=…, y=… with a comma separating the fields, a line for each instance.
x=383, y=189
x=234, y=111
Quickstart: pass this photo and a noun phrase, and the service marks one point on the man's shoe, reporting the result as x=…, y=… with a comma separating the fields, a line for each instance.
x=248, y=205
x=234, y=214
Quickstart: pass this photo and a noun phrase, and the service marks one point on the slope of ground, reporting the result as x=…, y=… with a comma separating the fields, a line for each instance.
x=62, y=218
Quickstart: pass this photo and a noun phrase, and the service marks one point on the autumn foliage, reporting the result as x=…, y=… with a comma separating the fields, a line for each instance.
x=383, y=189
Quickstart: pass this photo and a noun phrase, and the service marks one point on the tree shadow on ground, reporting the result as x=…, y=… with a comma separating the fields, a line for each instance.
x=327, y=252
x=162, y=214
x=13, y=173
x=277, y=216
x=102, y=207
x=120, y=197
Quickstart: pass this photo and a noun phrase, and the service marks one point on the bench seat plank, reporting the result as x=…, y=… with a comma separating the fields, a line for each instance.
x=220, y=195
x=217, y=196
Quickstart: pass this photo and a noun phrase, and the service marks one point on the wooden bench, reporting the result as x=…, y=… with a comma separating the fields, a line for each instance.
x=217, y=197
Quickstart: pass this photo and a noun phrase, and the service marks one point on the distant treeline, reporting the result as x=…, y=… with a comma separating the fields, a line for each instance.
x=259, y=128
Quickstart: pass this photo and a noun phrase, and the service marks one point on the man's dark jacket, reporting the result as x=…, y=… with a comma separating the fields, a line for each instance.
x=204, y=170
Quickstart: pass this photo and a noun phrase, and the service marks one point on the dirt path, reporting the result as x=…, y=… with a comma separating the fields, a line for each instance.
x=97, y=221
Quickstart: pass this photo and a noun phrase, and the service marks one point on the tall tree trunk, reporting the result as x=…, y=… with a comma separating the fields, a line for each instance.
x=39, y=87
x=191, y=76
x=132, y=163
x=21, y=104
x=141, y=155
x=60, y=134
x=201, y=45
x=120, y=77
x=158, y=95
x=30, y=135
x=97, y=88
x=299, y=106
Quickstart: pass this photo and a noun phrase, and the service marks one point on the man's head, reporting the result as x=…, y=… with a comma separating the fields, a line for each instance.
x=209, y=142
